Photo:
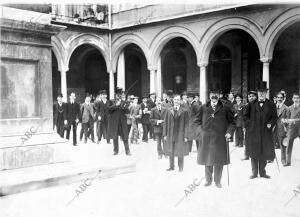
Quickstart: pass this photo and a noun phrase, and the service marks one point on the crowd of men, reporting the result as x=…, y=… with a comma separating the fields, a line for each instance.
x=175, y=121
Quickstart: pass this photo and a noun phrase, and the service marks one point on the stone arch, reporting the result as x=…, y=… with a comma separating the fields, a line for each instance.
x=223, y=25
x=276, y=27
x=121, y=42
x=163, y=37
x=59, y=51
x=92, y=39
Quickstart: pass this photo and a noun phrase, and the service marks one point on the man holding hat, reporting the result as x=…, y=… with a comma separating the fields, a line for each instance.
x=59, y=115
x=117, y=123
x=102, y=116
x=217, y=125
x=261, y=116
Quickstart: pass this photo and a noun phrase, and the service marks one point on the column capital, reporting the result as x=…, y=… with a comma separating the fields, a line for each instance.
x=266, y=59
x=152, y=68
x=202, y=64
x=63, y=68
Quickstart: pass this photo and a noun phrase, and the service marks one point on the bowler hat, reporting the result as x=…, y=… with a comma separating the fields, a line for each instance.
x=102, y=92
x=252, y=92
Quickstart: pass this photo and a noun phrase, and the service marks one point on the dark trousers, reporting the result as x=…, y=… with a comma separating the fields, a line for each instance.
x=60, y=128
x=239, y=136
x=172, y=159
x=88, y=129
x=102, y=130
x=158, y=138
x=146, y=129
x=258, y=166
x=128, y=127
x=151, y=130
x=190, y=144
x=116, y=145
x=216, y=170
x=74, y=126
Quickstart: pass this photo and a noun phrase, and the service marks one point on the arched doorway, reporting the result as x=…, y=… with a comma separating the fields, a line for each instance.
x=87, y=72
x=132, y=71
x=285, y=66
x=234, y=63
x=179, y=66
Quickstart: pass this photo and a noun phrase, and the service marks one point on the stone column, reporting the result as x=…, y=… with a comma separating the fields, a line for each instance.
x=121, y=71
x=203, y=82
x=63, y=80
x=153, y=81
x=159, y=78
x=111, y=85
x=266, y=72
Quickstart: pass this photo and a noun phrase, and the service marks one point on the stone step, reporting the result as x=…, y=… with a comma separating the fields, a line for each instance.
x=38, y=177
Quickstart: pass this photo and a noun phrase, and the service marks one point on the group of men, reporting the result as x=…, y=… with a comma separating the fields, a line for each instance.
x=175, y=121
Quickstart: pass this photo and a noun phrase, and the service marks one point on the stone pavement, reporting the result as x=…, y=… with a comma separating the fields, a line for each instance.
x=153, y=192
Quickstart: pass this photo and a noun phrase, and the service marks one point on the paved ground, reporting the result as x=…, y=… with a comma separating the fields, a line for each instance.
x=154, y=192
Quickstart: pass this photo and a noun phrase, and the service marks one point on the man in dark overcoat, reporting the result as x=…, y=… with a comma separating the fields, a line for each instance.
x=59, y=115
x=117, y=123
x=262, y=117
x=175, y=132
x=193, y=107
x=157, y=118
x=252, y=96
x=217, y=125
x=72, y=117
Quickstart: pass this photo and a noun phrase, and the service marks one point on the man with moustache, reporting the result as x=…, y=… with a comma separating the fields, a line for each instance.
x=117, y=123
x=59, y=115
x=217, y=125
x=252, y=96
x=175, y=130
x=157, y=117
x=281, y=127
x=72, y=117
x=293, y=130
x=262, y=117
x=145, y=118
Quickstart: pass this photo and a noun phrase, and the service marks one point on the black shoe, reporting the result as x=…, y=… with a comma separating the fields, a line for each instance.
x=180, y=169
x=218, y=185
x=245, y=158
x=160, y=156
x=265, y=176
x=270, y=161
x=75, y=144
x=170, y=169
x=98, y=141
x=128, y=153
x=287, y=164
x=206, y=184
x=253, y=176
x=115, y=153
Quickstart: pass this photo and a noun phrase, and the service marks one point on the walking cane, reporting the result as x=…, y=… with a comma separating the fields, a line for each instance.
x=227, y=150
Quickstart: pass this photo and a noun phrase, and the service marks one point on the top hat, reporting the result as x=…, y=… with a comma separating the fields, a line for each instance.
x=60, y=95
x=145, y=96
x=239, y=95
x=262, y=86
x=215, y=90
x=190, y=94
x=152, y=94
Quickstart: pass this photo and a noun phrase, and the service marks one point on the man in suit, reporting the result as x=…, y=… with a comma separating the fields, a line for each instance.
x=72, y=117
x=217, y=125
x=152, y=104
x=293, y=131
x=102, y=115
x=117, y=123
x=59, y=115
x=157, y=117
x=145, y=118
x=87, y=111
x=262, y=116
x=238, y=114
x=281, y=127
x=175, y=130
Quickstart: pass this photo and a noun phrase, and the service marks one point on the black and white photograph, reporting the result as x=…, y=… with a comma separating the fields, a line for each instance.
x=150, y=108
